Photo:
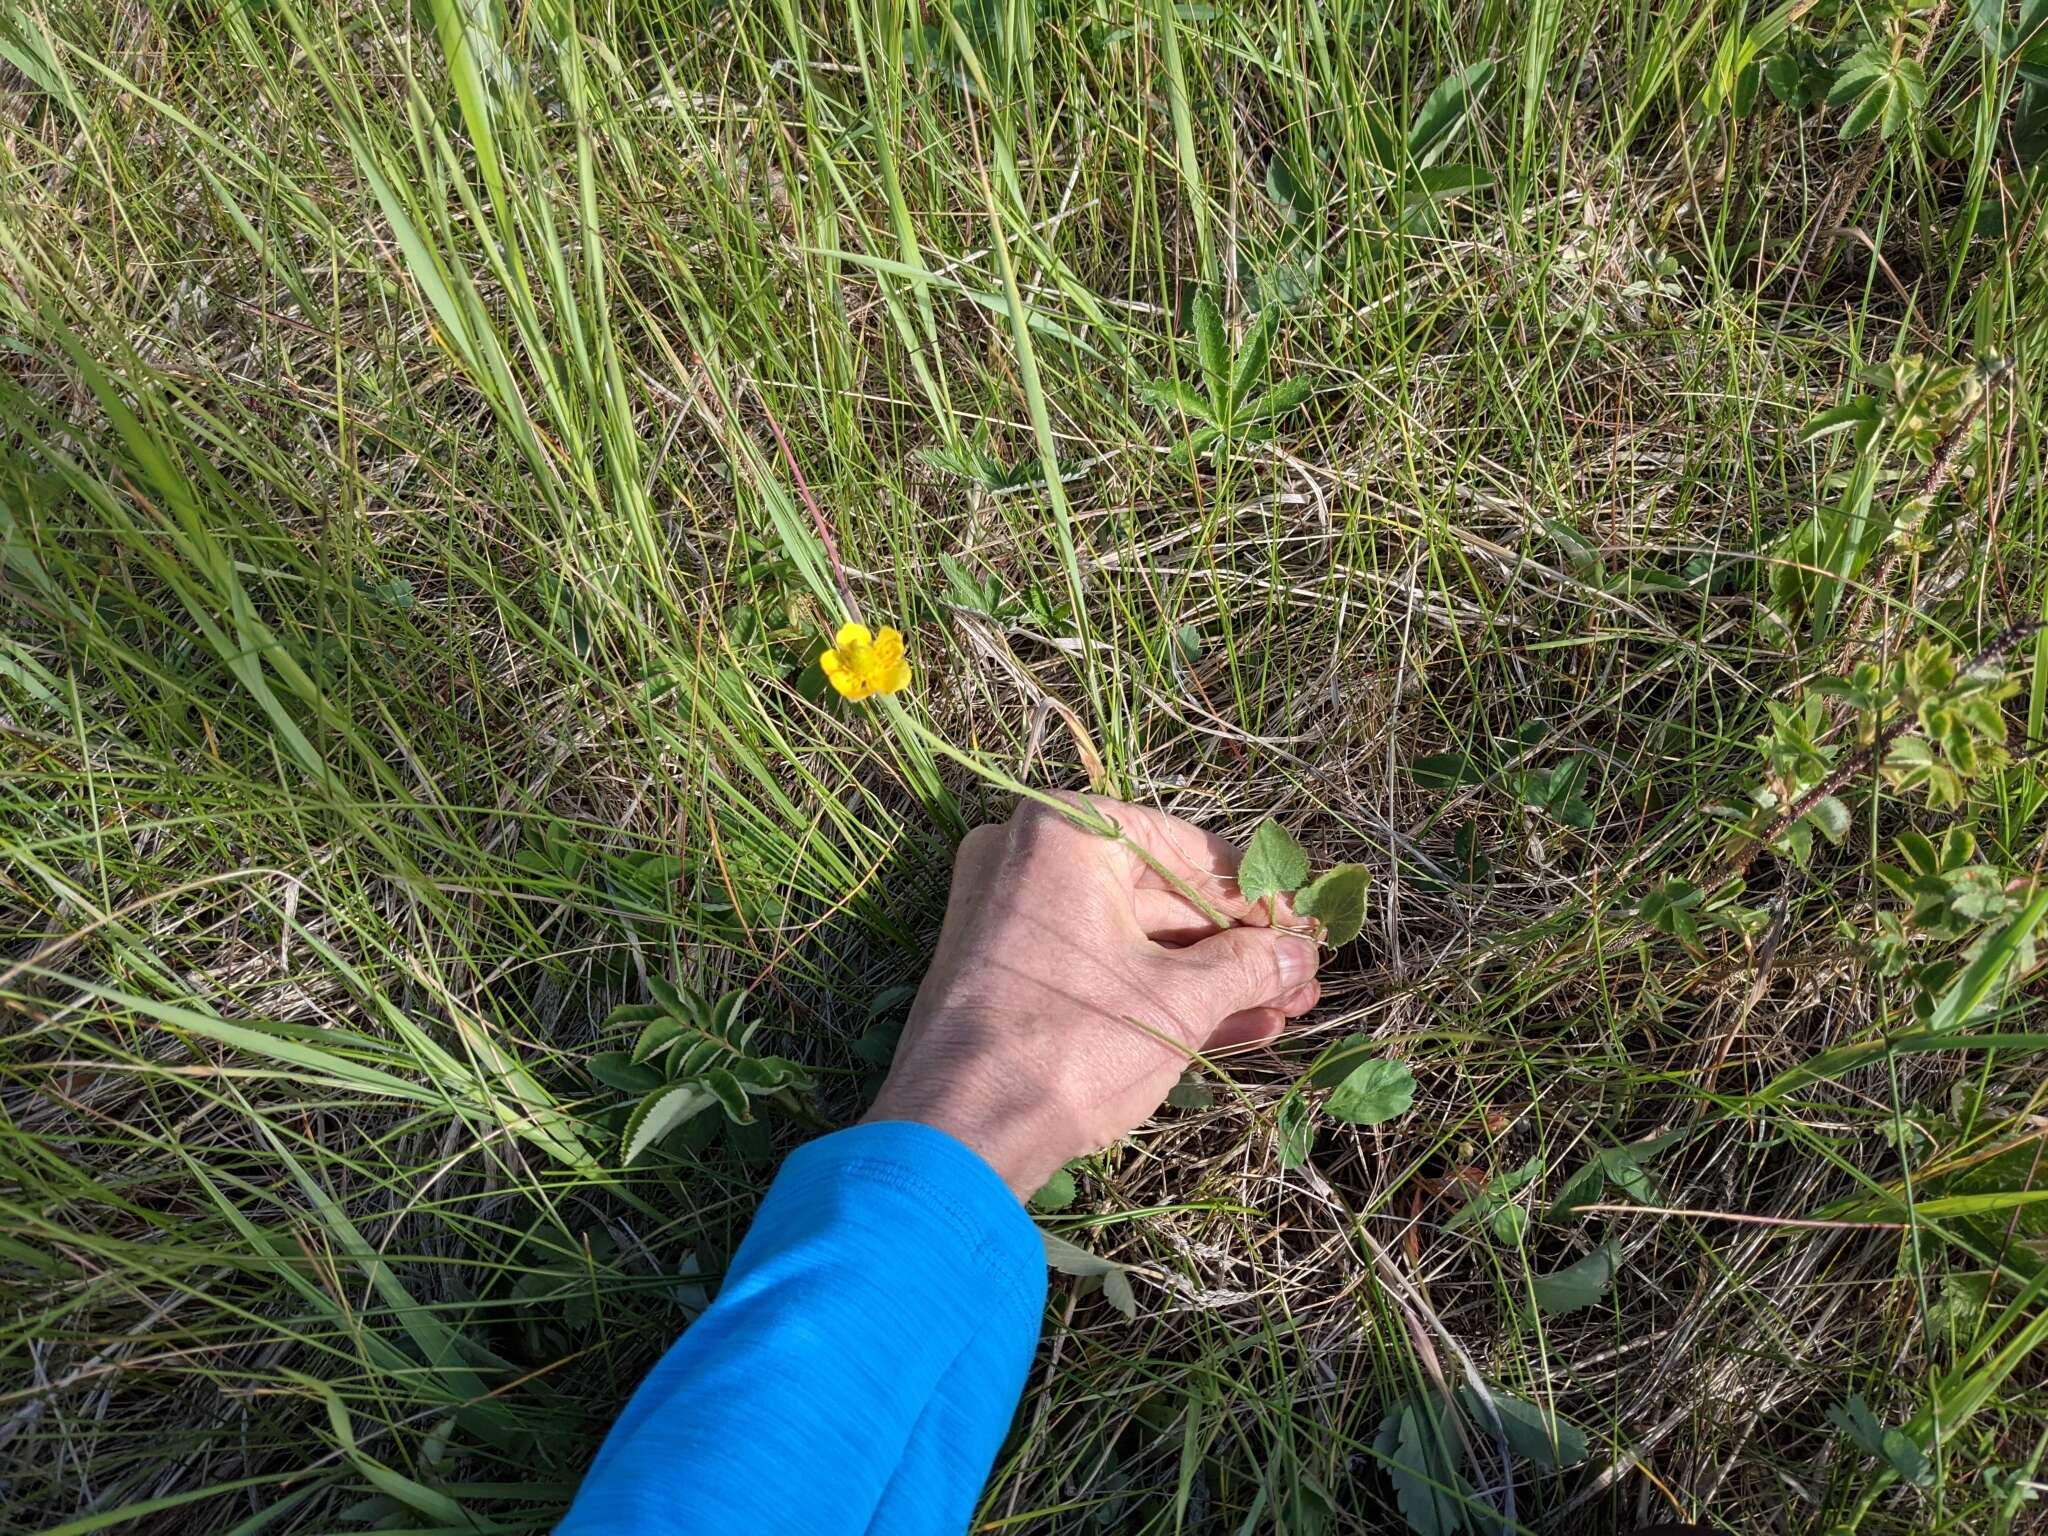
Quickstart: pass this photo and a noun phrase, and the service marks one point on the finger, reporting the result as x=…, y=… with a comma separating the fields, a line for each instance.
x=1204, y=862
x=1247, y=1027
x=1237, y=969
x=1167, y=917
x=1300, y=1000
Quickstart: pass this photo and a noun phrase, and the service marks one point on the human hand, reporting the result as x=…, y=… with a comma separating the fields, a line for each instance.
x=1071, y=983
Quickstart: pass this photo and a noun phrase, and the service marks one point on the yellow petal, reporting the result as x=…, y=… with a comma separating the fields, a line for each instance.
x=898, y=678
x=831, y=664
x=852, y=634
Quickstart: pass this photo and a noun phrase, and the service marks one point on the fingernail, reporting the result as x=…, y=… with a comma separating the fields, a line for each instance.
x=1297, y=962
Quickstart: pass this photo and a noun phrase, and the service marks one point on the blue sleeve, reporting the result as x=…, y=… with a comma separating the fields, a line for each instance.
x=860, y=1366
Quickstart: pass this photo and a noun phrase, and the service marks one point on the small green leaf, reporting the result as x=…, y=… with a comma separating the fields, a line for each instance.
x=1535, y=1436
x=617, y=1069
x=1832, y=817
x=1274, y=863
x=1214, y=351
x=1277, y=401
x=1579, y=1285
x=731, y=1095
x=1374, y=1093
x=1057, y=1192
x=1286, y=187
x=1172, y=396
x=1446, y=110
x=1445, y=770
x=1978, y=988
x=1854, y=1419
x=661, y=1112
x=1422, y=1461
x=1294, y=1131
x=1337, y=901
x=1116, y=1290
x=1191, y=1092
x=1251, y=358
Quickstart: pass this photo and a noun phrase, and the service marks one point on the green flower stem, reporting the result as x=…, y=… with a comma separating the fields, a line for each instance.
x=1082, y=814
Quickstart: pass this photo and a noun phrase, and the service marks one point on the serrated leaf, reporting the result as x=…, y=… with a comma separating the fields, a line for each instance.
x=1274, y=863
x=1445, y=770
x=1832, y=817
x=1294, y=1131
x=661, y=1112
x=1277, y=401
x=1251, y=358
x=1584, y=1187
x=666, y=994
x=1374, y=1093
x=1057, y=1192
x=1172, y=395
x=617, y=1069
x=1537, y=1437
x=1576, y=1286
x=1213, y=349
x=1422, y=1460
x=1337, y=900
x=731, y=1095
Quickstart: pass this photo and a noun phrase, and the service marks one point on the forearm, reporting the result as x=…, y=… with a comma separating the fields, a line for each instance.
x=860, y=1366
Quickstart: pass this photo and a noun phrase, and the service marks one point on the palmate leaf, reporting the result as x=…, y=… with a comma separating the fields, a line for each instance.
x=1879, y=91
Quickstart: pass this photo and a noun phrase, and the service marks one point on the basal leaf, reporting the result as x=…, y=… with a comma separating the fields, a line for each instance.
x=1445, y=770
x=1337, y=901
x=1579, y=1285
x=1375, y=1092
x=1056, y=1193
x=1213, y=349
x=1422, y=1460
x=1274, y=863
x=1535, y=1436
x=1294, y=1131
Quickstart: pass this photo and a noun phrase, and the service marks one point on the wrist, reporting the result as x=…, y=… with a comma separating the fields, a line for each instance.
x=1020, y=1153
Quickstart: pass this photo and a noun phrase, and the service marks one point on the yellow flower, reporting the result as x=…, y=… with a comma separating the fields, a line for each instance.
x=861, y=662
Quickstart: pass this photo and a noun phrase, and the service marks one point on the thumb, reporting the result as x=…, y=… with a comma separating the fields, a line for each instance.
x=1241, y=968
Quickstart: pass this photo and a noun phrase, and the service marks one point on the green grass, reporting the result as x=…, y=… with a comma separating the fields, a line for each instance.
x=406, y=612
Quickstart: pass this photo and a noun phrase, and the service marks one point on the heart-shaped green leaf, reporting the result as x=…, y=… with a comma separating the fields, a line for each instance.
x=1337, y=901
x=1274, y=863
x=1375, y=1092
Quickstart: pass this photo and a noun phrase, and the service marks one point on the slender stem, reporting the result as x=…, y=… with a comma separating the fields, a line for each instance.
x=818, y=519
x=1081, y=814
